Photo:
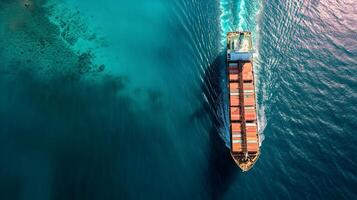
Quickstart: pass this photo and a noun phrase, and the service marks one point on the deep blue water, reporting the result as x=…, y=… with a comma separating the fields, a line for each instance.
x=126, y=100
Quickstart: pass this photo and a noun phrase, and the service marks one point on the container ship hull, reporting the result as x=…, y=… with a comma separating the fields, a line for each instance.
x=245, y=148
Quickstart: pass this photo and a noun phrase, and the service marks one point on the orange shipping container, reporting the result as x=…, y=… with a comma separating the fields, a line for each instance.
x=233, y=77
x=247, y=77
x=253, y=145
x=252, y=138
x=251, y=128
x=250, y=116
x=249, y=133
x=235, y=113
x=234, y=101
x=248, y=86
x=253, y=149
x=237, y=148
x=249, y=101
x=233, y=88
x=247, y=72
x=247, y=68
x=236, y=127
x=235, y=117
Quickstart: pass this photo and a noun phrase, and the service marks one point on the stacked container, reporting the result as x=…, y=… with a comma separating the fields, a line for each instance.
x=244, y=135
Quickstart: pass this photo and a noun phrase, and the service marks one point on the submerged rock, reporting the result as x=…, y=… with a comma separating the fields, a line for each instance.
x=85, y=63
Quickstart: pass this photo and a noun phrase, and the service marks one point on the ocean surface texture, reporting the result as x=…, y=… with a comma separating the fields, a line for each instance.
x=117, y=99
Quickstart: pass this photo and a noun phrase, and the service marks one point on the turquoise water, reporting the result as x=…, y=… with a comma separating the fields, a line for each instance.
x=126, y=100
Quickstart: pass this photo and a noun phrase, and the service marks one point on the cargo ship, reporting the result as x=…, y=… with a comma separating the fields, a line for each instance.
x=245, y=148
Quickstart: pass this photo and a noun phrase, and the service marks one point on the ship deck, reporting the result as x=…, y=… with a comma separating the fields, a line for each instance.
x=245, y=148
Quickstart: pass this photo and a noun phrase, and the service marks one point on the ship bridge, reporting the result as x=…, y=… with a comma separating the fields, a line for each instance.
x=239, y=46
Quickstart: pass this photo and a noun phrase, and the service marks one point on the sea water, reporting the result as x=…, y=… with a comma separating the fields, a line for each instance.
x=127, y=99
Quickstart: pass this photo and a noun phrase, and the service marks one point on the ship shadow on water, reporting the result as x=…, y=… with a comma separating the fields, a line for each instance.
x=221, y=170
